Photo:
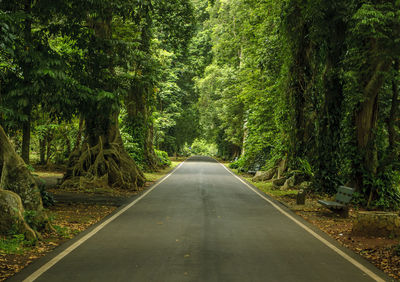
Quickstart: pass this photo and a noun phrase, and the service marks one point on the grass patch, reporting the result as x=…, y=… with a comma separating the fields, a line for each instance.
x=267, y=188
x=65, y=232
x=12, y=245
x=154, y=176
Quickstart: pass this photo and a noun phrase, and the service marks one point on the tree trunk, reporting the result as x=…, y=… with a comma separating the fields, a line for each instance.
x=298, y=90
x=103, y=164
x=150, y=155
x=366, y=122
x=26, y=70
x=49, y=140
x=138, y=108
x=393, y=112
x=102, y=161
x=329, y=114
x=141, y=128
x=42, y=150
x=26, y=139
x=15, y=177
x=79, y=135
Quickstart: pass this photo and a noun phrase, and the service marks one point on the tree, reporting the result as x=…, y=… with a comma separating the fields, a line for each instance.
x=36, y=71
x=370, y=73
x=102, y=159
x=19, y=194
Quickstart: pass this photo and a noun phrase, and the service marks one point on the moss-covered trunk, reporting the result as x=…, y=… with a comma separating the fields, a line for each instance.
x=18, y=193
x=298, y=88
x=138, y=103
x=394, y=109
x=366, y=119
x=140, y=125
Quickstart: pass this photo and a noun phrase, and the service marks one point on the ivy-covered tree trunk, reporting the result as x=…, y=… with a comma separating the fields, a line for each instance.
x=138, y=100
x=140, y=125
x=330, y=112
x=19, y=193
x=392, y=135
x=151, y=157
x=366, y=118
x=298, y=81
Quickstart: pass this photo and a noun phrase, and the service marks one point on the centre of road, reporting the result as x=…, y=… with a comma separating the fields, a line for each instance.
x=353, y=261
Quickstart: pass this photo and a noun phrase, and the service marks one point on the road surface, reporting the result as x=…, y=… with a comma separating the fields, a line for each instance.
x=202, y=223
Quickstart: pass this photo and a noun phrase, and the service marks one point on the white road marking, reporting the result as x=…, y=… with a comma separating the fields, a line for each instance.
x=324, y=241
x=68, y=250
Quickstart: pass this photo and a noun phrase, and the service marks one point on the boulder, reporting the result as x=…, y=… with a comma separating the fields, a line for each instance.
x=11, y=215
x=264, y=175
x=289, y=183
x=279, y=181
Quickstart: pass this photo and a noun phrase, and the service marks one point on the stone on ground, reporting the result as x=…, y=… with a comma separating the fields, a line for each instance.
x=11, y=215
x=264, y=175
x=372, y=223
x=289, y=183
x=279, y=182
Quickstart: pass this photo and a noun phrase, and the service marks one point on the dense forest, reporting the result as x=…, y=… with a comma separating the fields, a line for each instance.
x=110, y=89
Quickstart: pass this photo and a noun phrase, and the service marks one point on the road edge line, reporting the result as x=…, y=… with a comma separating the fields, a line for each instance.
x=60, y=256
x=314, y=234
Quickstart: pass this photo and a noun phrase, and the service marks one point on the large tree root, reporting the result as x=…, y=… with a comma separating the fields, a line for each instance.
x=25, y=196
x=103, y=167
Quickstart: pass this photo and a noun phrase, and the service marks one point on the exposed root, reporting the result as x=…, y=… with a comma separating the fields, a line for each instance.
x=100, y=167
x=19, y=195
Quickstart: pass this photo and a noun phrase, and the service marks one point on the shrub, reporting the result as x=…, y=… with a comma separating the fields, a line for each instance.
x=47, y=198
x=239, y=163
x=163, y=158
x=201, y=147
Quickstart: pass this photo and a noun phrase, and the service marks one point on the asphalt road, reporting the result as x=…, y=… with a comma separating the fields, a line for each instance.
x=201, y=224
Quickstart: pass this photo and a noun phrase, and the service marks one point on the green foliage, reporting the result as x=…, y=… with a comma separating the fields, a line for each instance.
x=163, y=158
x=201, y=147
x=13, y=245
x=47, y=198
x=256, y=81
x=53, y=141
x=186, y=151
x=290, y=80
x=33, y=220
x=133, y=148
x=305, y=167
x=64, y=232
x=238, y=164
x=30, y=217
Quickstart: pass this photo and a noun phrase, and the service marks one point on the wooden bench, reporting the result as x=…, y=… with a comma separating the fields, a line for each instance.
x=342, y=199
